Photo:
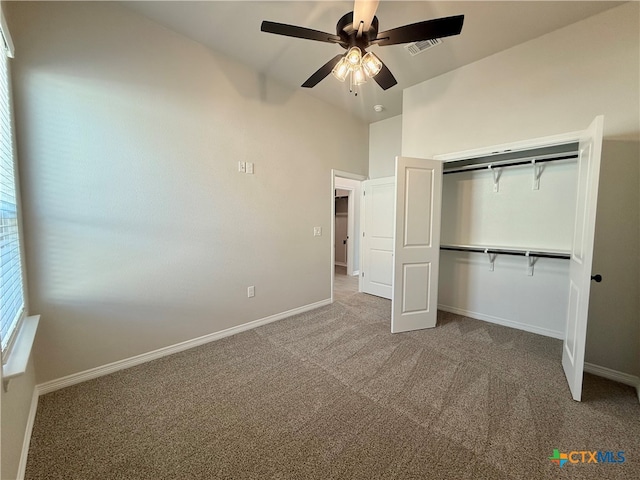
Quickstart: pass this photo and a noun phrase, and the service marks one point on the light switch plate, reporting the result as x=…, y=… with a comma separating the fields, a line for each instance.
x=317, y=231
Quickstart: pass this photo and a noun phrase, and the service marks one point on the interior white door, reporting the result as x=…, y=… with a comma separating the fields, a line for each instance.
x=582, y=256
x=417, y=244
x=377, y=236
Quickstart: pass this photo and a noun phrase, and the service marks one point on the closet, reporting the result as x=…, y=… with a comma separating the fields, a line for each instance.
x=514, y=225
x=507, y=230
x=518, y=224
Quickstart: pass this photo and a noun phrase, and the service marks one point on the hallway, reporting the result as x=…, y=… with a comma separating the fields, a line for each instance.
x=343, y=285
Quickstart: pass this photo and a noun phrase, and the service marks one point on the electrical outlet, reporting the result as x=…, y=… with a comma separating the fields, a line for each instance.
x=251, y=291
x=317, y=231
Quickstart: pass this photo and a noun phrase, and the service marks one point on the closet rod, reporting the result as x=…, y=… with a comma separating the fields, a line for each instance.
x=505, y=251
x=511, y=163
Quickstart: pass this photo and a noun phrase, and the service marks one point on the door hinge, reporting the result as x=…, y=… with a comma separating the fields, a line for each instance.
x=363, y=234
x=362, y=274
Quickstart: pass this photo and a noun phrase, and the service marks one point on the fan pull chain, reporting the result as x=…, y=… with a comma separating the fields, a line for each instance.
x=352, y=87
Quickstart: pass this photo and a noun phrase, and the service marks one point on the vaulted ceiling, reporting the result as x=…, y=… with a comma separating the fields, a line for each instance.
x=233, y=29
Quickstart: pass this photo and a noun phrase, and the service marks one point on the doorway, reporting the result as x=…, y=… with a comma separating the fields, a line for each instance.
x=345, y=232
x=341, y=227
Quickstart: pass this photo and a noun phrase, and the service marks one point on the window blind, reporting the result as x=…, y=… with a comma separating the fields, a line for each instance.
x=11, y=291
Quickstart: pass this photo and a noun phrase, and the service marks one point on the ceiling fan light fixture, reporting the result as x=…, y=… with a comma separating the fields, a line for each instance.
x=359, y=76
x=371, y=64
x=341, y=70
x=354, y=56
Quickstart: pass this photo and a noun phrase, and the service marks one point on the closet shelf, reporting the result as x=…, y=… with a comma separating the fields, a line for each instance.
x=469, y=166
x=540, y=253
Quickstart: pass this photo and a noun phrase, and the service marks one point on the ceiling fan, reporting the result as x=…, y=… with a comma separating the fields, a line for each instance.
x=358, y=30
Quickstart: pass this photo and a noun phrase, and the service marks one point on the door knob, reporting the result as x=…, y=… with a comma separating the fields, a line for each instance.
x=597, y=278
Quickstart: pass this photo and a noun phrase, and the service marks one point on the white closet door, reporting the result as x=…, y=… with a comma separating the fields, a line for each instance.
x=377, y=241
x=581, y=256
x=417, y=244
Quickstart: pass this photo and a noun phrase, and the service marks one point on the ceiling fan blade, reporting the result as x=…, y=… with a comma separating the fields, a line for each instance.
x=322, y=72
x=427, y=30
x=385, y=78
x=364, y=11
x=298, y=32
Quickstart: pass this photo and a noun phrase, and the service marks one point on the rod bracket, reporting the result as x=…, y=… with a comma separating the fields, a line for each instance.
x=497, y=173
x=537, y=173
x=530, y=263
x=492, y=259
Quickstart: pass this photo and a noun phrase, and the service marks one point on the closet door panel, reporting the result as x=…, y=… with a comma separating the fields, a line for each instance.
x=582, y=256
x=416, y=251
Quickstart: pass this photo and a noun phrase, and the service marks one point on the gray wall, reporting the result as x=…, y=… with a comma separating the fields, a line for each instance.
x=614, y=307
x=555, y=84
x=140, y=232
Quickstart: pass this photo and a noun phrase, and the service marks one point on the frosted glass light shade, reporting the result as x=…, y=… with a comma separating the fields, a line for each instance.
x=341, y=70
x=371, y=64
x=354, y=56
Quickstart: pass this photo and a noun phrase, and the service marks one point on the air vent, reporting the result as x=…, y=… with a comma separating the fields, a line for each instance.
x=418, y=47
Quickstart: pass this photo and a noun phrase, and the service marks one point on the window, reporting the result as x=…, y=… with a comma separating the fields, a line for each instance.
x=11, y=289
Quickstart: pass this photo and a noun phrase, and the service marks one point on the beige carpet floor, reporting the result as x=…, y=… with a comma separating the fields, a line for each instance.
x=331, y=394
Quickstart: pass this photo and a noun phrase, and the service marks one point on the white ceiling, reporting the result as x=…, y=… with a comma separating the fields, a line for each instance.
x=233, y=29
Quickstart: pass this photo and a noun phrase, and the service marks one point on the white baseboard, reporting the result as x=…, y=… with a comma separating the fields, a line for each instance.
x=22, y=466
x=614, y=375
x=503, y=321
x=96, y=372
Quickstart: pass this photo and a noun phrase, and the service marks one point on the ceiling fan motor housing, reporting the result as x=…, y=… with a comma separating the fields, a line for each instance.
x=349, y=32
